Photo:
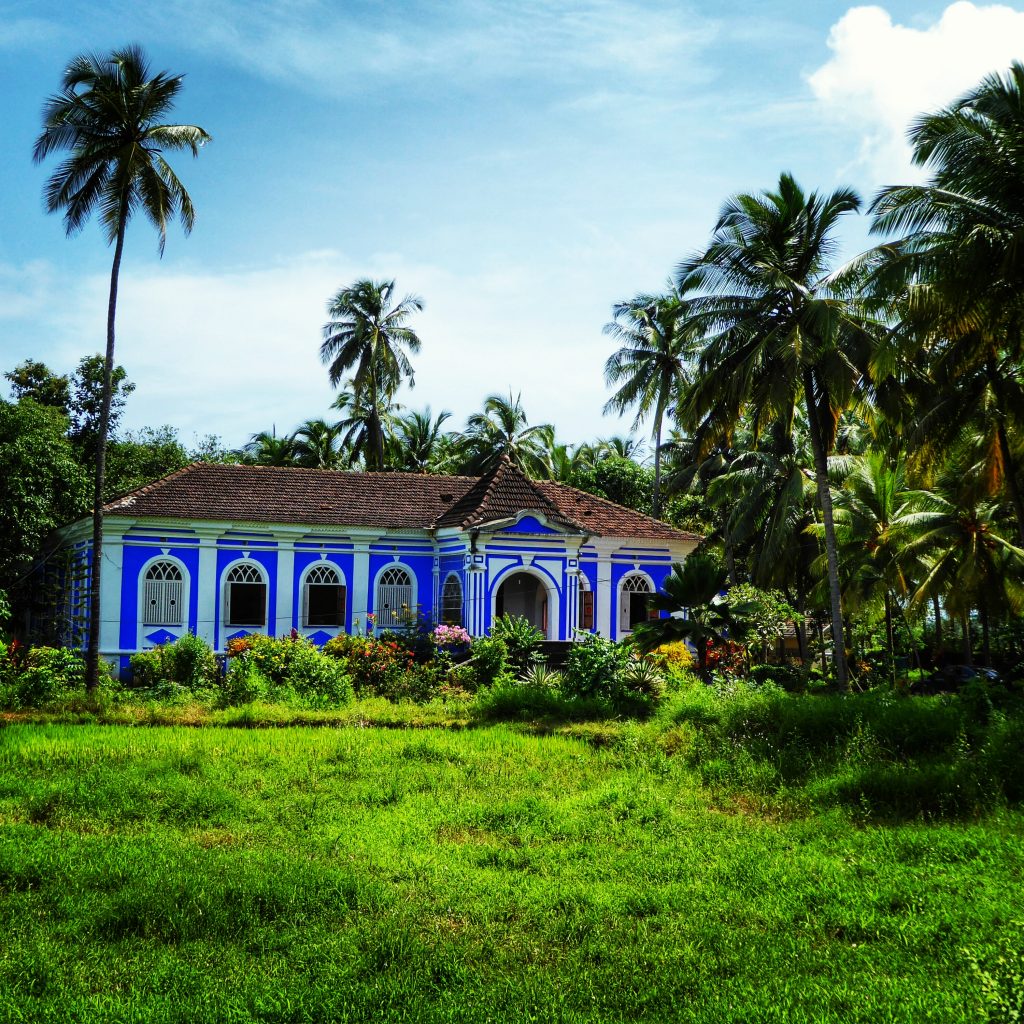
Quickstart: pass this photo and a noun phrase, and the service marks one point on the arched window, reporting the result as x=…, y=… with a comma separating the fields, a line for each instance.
x=451, y=601
x=245, y=596
x=323, y=597
x=161, y=595
x=394, y=597
x=635, y=602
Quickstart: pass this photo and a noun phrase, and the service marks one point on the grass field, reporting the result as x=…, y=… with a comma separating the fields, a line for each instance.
x=483, y=874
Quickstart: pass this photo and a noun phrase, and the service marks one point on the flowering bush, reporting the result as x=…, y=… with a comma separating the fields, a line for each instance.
x=451, y=636
x=675, y=655
x=373, y=664
x=289, y=668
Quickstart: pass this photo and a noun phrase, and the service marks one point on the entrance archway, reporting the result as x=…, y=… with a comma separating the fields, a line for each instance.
x=523, y=594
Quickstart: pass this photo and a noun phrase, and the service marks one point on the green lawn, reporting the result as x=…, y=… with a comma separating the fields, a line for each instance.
x=484, y=874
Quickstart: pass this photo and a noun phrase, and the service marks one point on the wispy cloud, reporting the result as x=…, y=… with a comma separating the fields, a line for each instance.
x=883, y=74
x=322, y=45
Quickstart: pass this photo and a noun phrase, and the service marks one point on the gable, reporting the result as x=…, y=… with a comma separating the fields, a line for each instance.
x=527, y=524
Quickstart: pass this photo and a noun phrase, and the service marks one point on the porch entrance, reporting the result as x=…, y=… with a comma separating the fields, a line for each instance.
x=522, y=594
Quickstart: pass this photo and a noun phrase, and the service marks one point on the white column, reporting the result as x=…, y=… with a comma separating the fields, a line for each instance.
x=360, y=585
x=207, y=595
x=572, y=613
x=285, y=588
x=603, y=597
x=110, y=593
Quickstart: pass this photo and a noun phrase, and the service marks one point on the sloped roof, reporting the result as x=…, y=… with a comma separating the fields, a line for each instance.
x=396, y=501
x=499, y=494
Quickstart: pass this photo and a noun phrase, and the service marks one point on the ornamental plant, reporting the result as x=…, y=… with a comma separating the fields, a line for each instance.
x=374, y=665
x=451, y=636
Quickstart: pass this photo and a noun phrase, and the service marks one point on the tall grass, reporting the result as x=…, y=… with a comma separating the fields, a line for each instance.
x=484, y=874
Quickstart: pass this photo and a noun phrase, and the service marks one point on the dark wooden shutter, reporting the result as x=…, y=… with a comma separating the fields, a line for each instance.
x=587, y=609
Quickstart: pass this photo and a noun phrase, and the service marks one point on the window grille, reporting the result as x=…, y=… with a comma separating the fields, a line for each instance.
x=451, y=601
x=394, y=597
x=324, y=597
x=161, y=599
x=245, y=596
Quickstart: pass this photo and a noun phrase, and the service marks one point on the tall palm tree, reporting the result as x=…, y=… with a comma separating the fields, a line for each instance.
x=108, y=115
x=783, y=335
x=502, y=428
x=369, y=333
x=962, y=258
x=651, y=366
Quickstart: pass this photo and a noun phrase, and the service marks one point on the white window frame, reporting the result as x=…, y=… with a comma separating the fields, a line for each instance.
x=183, y=601
x=625, y=588
x=226, y=594
x=462, y=599
x=398, y=594
x=339, y=580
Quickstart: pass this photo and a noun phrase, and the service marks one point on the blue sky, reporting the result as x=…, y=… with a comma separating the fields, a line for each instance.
x=521, y=166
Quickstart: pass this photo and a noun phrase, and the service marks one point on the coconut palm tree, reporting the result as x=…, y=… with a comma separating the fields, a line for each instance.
x=782, y=336
x=502, y=428
x=267, y=449
x=418, y=438
x=962, y=264
x=318, y=445
x=109, y=116
x=369, y=333
x=658, y=346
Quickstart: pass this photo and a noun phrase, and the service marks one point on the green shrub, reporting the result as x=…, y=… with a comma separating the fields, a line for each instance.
x=596, y=668
x=188, y=664
x=789, y=677
x=510, y=699
x=488, y=660
x=289, y=670
x=244, y=683
x=373, y=665
x=523, y=641
x=40, y=676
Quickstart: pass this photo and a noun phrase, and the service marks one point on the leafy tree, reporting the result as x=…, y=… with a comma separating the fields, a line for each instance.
x=86, y=405
x=35, y=380
x=42, y=487
x=617, y=479
x=108, y=115
x=142, y=457
x=369, y=333
x=783, y=335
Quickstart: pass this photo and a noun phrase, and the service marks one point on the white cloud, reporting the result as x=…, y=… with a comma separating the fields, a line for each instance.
x=232, y=353
x=882, y=75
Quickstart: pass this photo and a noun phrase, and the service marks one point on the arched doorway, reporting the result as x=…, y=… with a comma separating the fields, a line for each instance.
x=523, y=594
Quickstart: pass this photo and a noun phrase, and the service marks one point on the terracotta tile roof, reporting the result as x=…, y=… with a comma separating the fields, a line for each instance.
x=322, y=497
x=501, y=493
x=603, y=518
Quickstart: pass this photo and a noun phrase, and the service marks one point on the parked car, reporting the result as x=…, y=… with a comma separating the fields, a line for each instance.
x=952, y=677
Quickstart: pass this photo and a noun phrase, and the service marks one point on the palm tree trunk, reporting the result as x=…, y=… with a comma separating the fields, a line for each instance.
x=986, y=646
x=842, y=681
x=937, y=609
x=1009, y=472
x=92, y=666
x=965, y=625
x=890, y=643
x=656, y=505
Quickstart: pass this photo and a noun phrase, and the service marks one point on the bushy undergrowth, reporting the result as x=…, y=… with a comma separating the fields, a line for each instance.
x=879, y=753
x=38, y=677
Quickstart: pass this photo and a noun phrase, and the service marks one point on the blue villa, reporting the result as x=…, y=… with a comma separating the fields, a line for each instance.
x=226, y=550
